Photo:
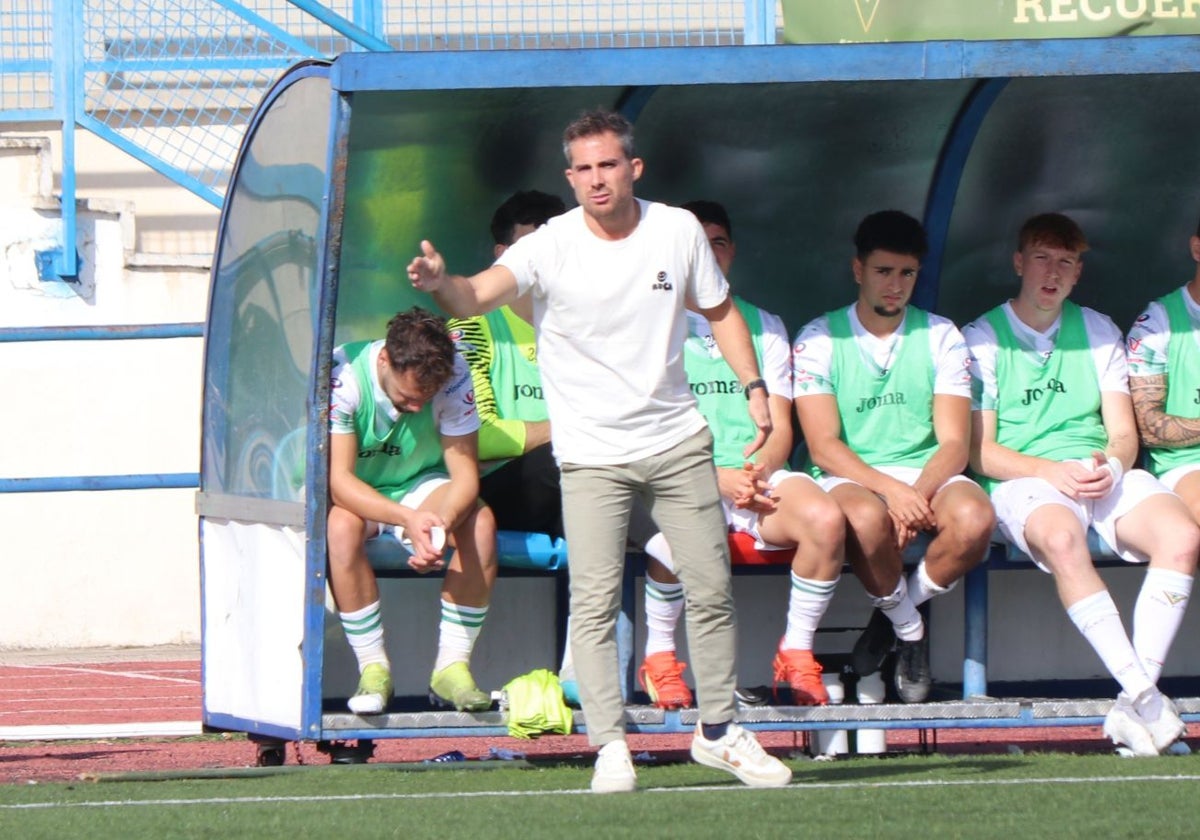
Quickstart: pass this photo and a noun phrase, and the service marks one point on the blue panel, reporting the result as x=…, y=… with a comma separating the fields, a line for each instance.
x=240, y=724
x=786, y=63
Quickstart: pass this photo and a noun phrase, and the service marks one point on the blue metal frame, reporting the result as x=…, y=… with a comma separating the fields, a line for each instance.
x=108, y=332
x=317, y=443
x=777, y=63
x=758, y=26
x=313, y=641
x=73, y=483
x=338, y=23
x=943, y=187
x=66, y=103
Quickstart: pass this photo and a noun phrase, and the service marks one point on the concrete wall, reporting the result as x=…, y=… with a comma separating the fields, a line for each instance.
x=113, y=568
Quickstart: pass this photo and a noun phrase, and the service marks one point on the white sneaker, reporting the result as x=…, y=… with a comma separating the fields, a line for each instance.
x=614, y=771
x=1124, y=727
x=739, y=753
x=1167, y=728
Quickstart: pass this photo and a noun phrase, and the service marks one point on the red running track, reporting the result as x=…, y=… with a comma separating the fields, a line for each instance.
x=80, y=720
x=77, y=694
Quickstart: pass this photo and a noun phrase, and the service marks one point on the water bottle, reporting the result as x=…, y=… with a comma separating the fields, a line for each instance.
x=831, y=742
x=871, y=691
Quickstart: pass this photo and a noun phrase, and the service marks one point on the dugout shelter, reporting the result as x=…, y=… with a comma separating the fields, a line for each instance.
x=348, y=164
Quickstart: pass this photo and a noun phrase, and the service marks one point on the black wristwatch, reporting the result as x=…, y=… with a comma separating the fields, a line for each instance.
x=752, y=384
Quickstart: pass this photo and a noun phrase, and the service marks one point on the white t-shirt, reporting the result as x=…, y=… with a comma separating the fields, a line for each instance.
x=453, y=406
x=1150, y=337
x=776, y=354
x=812, y=355
x=1103, y=337
x=610, y=330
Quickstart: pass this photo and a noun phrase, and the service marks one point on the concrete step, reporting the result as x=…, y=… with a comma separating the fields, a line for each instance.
x=26, y=169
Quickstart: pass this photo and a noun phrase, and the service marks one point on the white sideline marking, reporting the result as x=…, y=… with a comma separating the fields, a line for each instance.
x=133, y=675
x=87, y=731
x=396, y=797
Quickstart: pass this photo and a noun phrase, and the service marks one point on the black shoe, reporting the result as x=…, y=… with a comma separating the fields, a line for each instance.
x=752, y=696
x=873, y=645
x=912, y=670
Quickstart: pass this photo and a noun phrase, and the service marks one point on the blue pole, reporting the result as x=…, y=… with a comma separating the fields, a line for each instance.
x=759, y=23
x=68, y=79
x=338, y=23
x=73, y=483
x=975, y=623
x=88, y=333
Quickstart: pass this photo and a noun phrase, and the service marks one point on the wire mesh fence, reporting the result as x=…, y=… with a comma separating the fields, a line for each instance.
x=174, y=82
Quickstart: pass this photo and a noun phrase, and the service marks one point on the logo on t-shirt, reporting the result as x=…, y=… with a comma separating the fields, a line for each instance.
x=870, y=403
x=1053, y=386
x=661, y=282
x=716, y=386
x=388, y=449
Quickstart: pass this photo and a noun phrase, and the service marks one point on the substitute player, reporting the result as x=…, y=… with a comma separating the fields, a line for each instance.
x=883, y=396
x=402, y=456
x=1054, y=441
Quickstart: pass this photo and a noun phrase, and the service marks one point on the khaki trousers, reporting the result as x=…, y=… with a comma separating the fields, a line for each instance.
x=679, y=488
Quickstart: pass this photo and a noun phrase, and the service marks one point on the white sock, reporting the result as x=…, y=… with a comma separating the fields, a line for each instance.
x=364, y=632
x=1097, y=618
x=806, y=606
x=567, y=670
x=1156, y=617
x=457, y=633
x=921, y=587
x=664, y=605
x=902, y=612
x=658, y=548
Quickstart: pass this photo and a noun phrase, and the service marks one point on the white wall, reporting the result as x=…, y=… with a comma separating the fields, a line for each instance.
x=111, y=568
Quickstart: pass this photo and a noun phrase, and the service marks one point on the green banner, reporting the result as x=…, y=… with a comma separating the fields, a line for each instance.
x=849, y=21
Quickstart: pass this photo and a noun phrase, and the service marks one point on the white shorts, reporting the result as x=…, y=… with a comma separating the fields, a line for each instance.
x=1017, y=499
x=412, y=499
x=908, y=475
x=1172, y=477
x=745, y=521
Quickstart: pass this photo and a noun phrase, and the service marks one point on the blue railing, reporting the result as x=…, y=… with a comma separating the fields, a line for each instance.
x=173, y=83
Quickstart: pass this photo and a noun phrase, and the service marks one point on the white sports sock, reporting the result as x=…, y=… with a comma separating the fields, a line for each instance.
x=364, y=632
x=1097, y=618
x=806, y=606
x=664, y=604
x=567, y=670
x=457, y=633
x=1156, y=616
x=921, y=587
x=658, y=548
x=902, y=612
